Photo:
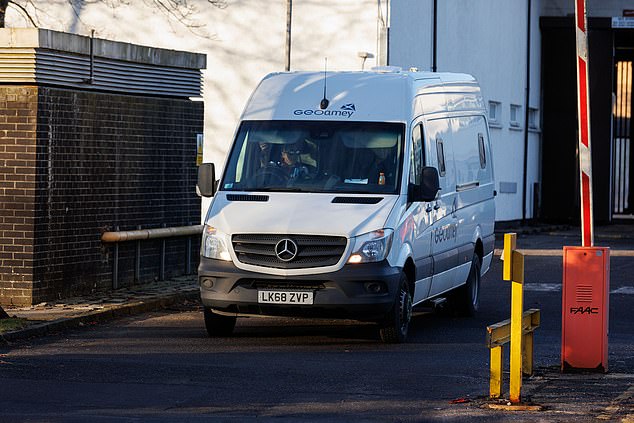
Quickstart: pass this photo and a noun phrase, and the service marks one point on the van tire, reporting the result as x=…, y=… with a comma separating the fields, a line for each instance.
x=467, y=297
x=394, y=328
x=218, y=325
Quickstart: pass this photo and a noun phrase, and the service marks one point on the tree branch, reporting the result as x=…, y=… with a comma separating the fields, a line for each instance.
x=181, y=11
x=24, y=12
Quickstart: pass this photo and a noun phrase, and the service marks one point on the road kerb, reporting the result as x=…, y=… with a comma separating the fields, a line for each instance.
x=98, y=316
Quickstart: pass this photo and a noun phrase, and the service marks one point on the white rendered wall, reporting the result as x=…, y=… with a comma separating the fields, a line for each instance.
x=243, y=42
x=488, y=40
x=411, y=34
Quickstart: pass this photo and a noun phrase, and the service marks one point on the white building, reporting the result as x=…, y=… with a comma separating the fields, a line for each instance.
x=491, y=39
x=488, y=40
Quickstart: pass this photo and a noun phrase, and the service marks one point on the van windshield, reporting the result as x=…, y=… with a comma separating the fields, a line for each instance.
x=310, y=156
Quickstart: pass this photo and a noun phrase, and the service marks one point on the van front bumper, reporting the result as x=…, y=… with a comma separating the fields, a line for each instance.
x=360, y=291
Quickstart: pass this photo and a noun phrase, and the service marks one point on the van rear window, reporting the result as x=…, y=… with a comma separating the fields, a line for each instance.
x=483, y=157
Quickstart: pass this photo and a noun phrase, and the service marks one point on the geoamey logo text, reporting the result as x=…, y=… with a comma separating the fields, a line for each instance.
x=347, y=110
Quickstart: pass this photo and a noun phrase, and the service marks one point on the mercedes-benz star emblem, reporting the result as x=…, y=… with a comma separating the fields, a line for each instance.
x=286, y=249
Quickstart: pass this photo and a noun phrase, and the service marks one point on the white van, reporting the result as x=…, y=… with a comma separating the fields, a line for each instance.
x=350, y=194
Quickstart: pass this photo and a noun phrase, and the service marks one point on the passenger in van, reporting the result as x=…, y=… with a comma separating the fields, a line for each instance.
x=265, y=154
x=376, y=165
x=381, y=170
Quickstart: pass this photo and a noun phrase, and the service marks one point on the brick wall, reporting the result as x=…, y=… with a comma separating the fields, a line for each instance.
x=90, y=162
x=18, y=155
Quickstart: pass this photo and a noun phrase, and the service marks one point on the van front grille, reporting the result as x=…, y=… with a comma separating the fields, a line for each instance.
x=312, y=250
x=282, y=284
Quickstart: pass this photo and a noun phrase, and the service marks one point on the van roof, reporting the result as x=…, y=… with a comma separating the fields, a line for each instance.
x=384, y=95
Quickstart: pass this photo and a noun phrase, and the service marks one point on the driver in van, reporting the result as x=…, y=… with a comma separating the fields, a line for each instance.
x=297, y=160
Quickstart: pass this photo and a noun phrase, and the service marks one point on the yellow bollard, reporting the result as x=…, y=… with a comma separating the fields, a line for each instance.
x=518, y=330
x=514, y=271
x=495, y=378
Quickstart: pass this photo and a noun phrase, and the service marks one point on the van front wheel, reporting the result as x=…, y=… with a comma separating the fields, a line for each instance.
x=396, y=324
x=218, y=325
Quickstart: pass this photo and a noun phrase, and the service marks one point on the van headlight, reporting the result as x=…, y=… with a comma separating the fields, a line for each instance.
x=371, y=247
x=213, y=244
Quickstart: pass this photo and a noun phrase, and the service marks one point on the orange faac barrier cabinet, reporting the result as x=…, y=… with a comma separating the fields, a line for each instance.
x=586, y=289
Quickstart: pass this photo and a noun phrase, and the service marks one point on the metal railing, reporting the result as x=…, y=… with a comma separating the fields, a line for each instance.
x=518, y=330
x=115, y=237
x=498, y=335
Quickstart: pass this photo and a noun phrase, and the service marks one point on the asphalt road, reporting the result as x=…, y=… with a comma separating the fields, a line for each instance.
x=162, y=367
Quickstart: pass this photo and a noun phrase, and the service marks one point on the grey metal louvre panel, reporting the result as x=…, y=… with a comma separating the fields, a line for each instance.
x=17, y=62
x=49, y=67
x=147, y=68
x=59, y=68
x=142, y=77
x=7, y=53
x=17, y=65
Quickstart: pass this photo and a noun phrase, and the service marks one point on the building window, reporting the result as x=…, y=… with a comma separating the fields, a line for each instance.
x=533, y=118
x=516, y=113
x=495, y=108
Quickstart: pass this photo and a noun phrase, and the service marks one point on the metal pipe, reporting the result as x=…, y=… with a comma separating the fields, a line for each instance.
x=387, y=31
x=115, y=265
x=383, y=34
x=142, y=234
x=92, y=57
x=137, y=259
x=162, y=262
x=289, y=15
x=188, y=256
x=156, y=233
x=526, y=108
x=435, y=37
x=188, y=264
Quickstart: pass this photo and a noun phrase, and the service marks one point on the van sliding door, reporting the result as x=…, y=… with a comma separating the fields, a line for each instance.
x=472, y=174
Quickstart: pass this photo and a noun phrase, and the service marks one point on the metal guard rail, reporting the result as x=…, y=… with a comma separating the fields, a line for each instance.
x=156, y=233
x=498, y=335
x=138, y=235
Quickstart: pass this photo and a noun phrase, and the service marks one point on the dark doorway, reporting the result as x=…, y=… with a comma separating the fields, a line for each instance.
x=560, y=172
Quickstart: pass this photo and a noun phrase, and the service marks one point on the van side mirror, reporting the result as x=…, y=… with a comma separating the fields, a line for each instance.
x=428, y=188
x=430, y=183
x=206, y=179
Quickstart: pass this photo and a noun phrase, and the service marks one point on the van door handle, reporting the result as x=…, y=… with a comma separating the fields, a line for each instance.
x=436, y=206
x=428, y=209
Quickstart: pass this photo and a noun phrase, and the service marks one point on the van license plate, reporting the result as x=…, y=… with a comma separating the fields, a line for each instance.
x=285, y=297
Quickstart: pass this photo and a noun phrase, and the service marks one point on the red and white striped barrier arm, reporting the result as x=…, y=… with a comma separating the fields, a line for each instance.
x=583, y=106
